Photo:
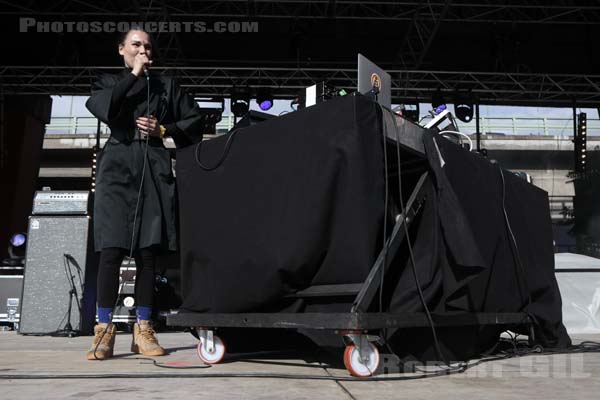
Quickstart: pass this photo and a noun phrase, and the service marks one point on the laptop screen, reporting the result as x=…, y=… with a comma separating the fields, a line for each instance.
x=369, y=75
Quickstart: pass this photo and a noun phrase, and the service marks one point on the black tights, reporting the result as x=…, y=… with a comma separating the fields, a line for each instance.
x=108, y=276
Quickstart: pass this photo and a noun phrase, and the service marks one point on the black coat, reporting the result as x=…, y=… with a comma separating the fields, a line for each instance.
x=118, y=100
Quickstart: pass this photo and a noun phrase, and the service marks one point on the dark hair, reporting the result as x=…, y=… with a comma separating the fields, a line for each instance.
x=123, y=35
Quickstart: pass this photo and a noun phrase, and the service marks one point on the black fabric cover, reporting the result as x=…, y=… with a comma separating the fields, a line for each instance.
x=299, y=201
x=467, y=261
x=295, y=203
x=587, y=205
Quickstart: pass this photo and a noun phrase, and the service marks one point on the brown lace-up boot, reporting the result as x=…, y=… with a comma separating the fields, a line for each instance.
x=103, y=343
x=144, y=340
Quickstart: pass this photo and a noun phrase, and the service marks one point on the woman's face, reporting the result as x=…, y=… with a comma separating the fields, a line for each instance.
x=136, y=42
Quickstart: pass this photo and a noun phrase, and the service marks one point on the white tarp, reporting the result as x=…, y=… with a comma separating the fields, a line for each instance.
x=580, y=292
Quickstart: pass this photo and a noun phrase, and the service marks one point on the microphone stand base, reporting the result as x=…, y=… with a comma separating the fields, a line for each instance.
x=66, y=333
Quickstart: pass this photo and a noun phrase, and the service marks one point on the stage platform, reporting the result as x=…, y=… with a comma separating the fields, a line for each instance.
x=56, y=368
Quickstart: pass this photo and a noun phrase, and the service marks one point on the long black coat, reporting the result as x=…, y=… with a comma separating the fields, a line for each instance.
x=121, y=163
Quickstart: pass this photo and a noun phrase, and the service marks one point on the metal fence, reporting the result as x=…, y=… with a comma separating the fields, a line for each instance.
x=89, y=125
x=561, y=207
x=529, y=126
x=526, y=126
x=488, y=125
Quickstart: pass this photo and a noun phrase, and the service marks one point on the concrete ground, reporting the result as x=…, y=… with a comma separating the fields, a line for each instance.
x=56, y=368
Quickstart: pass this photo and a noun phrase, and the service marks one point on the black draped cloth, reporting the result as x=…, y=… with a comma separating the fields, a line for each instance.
x=118, y=100
x=299, y=201
x=294, y=203
x=482, y=243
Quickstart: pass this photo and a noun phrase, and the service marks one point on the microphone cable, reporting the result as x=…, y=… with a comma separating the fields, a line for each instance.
x=137, y=204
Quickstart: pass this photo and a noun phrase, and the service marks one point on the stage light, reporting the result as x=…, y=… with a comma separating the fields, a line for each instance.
x=240, y=102
x=212, y=116
x=464, y=112
x=294, y=104
x=239, y=108
x=463, y=106
x=412, y=115
x=440, y=108
x=18, y=239
x=211, y=109
x=16, y=250
x=266, y=105
x=264, y=98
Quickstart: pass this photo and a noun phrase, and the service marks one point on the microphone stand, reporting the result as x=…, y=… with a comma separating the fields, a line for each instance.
x=67, y=330
x=374, y=92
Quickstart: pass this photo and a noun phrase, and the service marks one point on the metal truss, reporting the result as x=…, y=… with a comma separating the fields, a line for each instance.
x=420, y=35
x=493, y=11
x=421, y=22
x=408, y=86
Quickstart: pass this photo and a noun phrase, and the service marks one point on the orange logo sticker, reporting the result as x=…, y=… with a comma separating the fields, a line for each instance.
x=375, y=81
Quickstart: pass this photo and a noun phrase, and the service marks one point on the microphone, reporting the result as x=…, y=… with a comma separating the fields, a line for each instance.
x=146, y=72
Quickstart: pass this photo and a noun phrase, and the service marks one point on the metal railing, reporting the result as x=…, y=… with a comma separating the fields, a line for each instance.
x=538, y=126
x=526, y=126
x=561, y=207
x=75, y=125
x=89, y=125
x=541, y=126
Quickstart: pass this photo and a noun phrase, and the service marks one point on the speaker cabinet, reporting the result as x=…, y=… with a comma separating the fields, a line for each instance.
x=56, y=277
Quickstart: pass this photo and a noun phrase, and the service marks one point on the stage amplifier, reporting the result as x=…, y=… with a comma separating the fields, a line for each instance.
x=125, y=309
x=167, y=291
x=60, y=275
x=58, y=202
x=10, y=299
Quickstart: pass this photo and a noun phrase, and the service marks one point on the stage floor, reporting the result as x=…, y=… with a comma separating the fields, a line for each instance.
x=56, y=368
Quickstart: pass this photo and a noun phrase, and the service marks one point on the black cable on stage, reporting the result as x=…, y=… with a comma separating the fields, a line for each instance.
x=219, y=376
x=583, y=347
x=409, y=244
x=198, y=151
x=514, y=246
x=386, y=243
x=163, y=365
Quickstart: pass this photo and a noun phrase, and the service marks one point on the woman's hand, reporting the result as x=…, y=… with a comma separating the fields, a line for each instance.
x=140, y=62
x=148, y=126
